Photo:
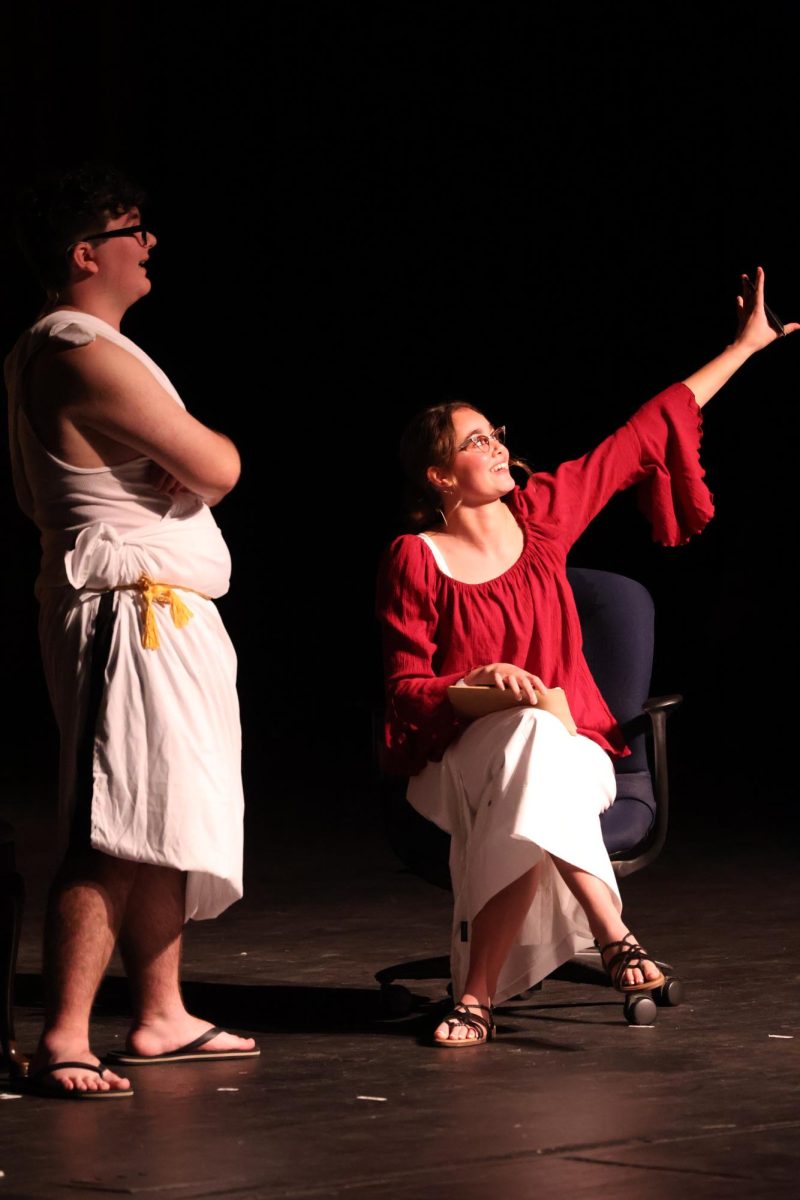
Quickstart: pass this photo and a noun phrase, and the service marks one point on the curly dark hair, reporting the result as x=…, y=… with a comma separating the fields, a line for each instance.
x=55, y=210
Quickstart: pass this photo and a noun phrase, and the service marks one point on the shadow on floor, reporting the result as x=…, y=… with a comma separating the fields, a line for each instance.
x=394, y=1010
x=270, y=1008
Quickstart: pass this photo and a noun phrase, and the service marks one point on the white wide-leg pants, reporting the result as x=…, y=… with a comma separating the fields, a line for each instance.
x=515, y=788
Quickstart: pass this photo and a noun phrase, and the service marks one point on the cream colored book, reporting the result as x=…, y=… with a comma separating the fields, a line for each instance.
x=477, y=701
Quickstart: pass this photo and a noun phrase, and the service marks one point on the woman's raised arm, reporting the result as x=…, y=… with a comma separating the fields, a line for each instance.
x=754, y=333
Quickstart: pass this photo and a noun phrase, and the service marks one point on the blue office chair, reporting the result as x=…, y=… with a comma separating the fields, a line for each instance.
x=617, y=621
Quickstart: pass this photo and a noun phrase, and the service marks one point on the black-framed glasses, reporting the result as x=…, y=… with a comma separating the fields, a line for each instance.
x=137, y=231
x=482, y=441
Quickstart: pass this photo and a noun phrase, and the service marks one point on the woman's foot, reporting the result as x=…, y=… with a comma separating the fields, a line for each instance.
x=629, y=966
x=469, y=1023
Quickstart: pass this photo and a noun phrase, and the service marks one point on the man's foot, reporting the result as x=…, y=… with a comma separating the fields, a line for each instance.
x=78, y=1077
x=629, y=966
x=469, y=1022
x=184, y=1038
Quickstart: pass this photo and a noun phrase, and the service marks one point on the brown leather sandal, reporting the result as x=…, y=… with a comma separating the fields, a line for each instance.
x=629, y=957
x=461, y=1015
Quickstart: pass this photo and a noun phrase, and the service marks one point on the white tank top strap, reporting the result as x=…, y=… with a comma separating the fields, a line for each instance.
x=437, y=554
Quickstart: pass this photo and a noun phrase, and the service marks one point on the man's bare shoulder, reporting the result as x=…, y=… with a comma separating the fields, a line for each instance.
x=98, y=372
x=104, y=388
x=96, y=361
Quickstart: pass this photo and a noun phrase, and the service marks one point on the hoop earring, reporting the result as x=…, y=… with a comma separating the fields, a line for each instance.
x=441, y=511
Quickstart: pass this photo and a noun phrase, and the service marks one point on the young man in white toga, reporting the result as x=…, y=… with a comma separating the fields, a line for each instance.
x=120, y=479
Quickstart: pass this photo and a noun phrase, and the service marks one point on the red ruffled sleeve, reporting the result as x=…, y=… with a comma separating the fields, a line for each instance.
x=420, y=721
x=673, y=495
x=658, y=449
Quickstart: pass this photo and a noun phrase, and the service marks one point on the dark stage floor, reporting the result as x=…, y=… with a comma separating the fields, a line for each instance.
x=346, y=1101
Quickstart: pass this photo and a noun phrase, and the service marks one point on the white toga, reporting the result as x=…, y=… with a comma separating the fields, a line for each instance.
x=162, y=774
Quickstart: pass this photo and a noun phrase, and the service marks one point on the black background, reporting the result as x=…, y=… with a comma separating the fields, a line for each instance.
x=362, y=209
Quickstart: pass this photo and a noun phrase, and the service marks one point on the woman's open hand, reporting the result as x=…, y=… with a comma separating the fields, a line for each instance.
x=754, y=330
x=505, y=675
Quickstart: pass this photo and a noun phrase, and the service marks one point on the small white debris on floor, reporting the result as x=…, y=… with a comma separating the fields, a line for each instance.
x=784, y=1037
x=242, y=954
x=227, y=1089
x=381, y=1099
x=8, y=1096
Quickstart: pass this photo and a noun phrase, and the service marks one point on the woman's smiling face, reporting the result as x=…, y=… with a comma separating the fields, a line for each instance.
x=478, y=473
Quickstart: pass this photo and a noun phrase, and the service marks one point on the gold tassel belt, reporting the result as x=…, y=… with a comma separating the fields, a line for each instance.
x=152, y=592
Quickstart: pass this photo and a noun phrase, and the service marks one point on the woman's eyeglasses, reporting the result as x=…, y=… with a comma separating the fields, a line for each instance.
x=137, y=231
x=482, y=441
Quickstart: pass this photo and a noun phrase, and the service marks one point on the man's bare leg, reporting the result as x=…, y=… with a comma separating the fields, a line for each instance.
x=85, y=907
x=491, y=938
x=604, y=921
x=150, y=944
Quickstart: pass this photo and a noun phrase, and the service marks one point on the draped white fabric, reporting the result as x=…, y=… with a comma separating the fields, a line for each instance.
x=167, y=752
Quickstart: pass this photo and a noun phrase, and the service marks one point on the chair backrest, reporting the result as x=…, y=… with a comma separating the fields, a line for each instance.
x=617, y=620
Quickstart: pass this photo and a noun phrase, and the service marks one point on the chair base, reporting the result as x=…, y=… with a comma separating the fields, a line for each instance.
x=639, y=1008
x=420, y=968
x=584, y=967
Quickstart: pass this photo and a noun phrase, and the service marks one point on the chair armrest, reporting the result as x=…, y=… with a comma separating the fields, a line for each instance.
x=650, y=716
x=662, y=703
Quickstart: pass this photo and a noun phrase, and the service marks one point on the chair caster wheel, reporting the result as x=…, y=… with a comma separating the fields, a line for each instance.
x=396, y=1000
x=640, y=1009
x=670, y=994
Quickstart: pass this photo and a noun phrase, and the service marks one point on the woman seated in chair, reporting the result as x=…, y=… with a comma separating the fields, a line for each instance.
x=481, y=599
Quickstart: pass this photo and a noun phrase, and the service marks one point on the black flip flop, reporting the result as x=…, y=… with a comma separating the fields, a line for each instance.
x=34, y=1085
x=191, y=1052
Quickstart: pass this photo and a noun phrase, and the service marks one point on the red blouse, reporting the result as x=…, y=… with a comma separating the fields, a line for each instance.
x=436, y=629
